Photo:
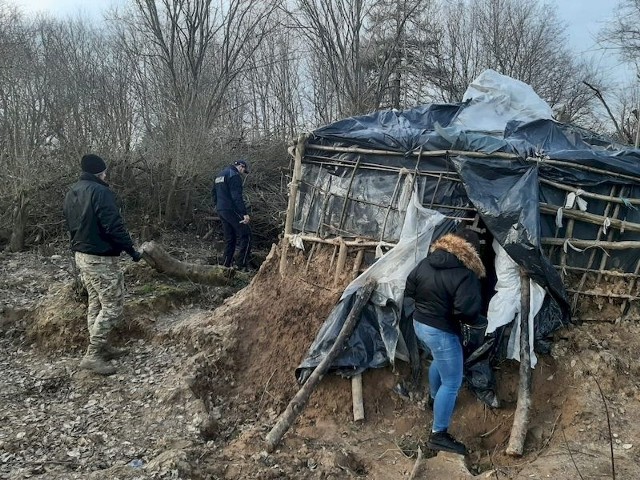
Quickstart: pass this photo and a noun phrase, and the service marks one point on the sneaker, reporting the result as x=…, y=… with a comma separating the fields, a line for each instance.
x=446, y=443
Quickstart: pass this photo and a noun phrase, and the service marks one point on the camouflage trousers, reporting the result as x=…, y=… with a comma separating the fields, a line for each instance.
x=104, y=282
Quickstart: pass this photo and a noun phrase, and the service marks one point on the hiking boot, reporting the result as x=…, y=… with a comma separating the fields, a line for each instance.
x=109, y=353
x=446, y=443
x=93, y=362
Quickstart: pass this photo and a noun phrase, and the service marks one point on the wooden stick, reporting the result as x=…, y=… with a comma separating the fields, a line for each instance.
x=608, y=273
x=315, y=160
x=283, y=256
x=416, y=465
x=300, y=399
x=586, y=168
x=630, y=288
x=592, y=256
x=356, y=396
x=313, y=248
x=595, y=196
x=314, y=190
x=591, y=217
x=433, y=153
x=563, y=255
x=357, y=264
x=521, y=415
x=343, y=213
x=602, y=294
x=391, y=200
x=342, y=260
x=338, y=240
x=295, y=182
x=494, y=155
x=578, y=243
x=604, y=258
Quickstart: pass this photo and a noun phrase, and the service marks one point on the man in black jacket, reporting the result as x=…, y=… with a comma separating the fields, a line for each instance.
x=98, y=236
x=446, y=289
x=227, y=198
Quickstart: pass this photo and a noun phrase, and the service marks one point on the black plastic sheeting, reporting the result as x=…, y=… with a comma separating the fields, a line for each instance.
x=506, y=197
x=506, y=194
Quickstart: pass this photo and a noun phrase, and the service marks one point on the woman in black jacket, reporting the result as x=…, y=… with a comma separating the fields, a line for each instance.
x=446, y=288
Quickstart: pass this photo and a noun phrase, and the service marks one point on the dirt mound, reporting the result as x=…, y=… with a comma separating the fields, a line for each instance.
x=278, y=317
x=202, y=387
x=59, y=321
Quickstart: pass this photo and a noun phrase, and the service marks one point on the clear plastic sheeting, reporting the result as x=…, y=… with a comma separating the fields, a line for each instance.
x=504, y=306
x=366, y=204
x=376, y=337
x=495, y=100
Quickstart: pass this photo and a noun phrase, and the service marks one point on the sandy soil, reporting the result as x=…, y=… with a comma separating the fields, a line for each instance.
x=206, y=379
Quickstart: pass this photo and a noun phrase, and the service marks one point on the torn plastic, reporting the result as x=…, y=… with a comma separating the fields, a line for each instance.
x=505, y=192
x=496, y=99
x=374, y=341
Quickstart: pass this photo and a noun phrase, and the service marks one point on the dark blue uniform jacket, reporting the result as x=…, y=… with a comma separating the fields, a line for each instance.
x=227, y=191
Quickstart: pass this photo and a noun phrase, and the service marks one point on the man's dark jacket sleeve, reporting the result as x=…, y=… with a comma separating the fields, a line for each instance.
x=93, y=219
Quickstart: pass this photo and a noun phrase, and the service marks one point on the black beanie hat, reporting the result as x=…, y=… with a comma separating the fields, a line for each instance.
x=471, y=237
x=91, y=163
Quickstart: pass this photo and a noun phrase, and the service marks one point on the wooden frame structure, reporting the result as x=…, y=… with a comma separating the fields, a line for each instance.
x=586, y=281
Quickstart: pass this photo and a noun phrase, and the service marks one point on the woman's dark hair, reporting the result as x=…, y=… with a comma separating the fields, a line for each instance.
x=470, y=236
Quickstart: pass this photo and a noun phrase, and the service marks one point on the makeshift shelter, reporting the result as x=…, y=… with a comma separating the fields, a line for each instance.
x=553, y=200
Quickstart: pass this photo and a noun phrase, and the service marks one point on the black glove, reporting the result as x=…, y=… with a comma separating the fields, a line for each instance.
x=136, y=256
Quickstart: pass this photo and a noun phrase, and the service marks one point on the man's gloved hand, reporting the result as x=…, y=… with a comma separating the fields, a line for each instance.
x=136, y=256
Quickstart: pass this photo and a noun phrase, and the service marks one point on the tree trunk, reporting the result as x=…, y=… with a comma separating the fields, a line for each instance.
x=16, y=242
x=160, y=260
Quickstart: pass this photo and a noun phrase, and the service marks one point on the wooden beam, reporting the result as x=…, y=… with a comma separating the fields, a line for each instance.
x=295, y=183
x=590, y=217
x=521, y=415
x=356, y=396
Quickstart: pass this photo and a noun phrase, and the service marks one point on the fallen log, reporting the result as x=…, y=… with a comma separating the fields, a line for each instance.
x=521, y=415
x=300, y=399
x=160, y=260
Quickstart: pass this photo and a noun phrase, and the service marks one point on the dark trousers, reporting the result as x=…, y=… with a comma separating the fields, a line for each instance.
x=235, y=234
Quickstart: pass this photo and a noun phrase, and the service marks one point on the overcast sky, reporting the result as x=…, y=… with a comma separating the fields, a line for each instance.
x=584, y=19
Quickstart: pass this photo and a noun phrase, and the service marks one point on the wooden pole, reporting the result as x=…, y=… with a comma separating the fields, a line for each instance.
x=295, y=182
x=590, y=218
x=342, y=260
x=356, y=396
x=595, y=196
x=622, y=245
x=521, y=416
x=282, y=267
x=300, y=399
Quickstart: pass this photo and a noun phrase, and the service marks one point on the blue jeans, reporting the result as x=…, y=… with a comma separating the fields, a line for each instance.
x=445, y=372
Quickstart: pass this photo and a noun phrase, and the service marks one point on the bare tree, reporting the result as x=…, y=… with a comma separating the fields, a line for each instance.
x=22, y=90
x=623, y=32
x=189, y=53
x=357, y=47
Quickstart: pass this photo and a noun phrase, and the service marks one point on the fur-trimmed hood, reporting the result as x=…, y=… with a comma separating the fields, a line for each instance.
x=459, y=248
